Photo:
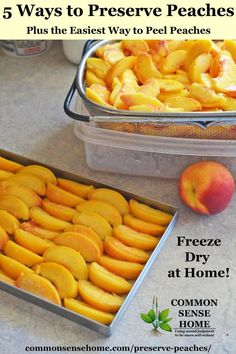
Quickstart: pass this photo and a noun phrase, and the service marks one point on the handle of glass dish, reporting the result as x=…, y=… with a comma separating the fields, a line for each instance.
x=70, y=95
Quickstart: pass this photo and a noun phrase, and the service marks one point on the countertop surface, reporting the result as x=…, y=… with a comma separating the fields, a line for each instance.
x=33, y=124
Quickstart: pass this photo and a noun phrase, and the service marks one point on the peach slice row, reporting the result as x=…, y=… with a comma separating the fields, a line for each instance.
x=163, y=75
x=75, y=245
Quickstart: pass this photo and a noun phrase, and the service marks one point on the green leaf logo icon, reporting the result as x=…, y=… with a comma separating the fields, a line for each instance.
x=158, y=319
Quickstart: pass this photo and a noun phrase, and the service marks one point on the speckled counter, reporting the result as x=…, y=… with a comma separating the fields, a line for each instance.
x=33, y=123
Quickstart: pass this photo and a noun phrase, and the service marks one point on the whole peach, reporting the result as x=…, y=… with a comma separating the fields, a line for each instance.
x=206, y=187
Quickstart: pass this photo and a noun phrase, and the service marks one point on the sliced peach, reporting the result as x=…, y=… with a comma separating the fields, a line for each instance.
x=8, y=222
x=27, y=180
x=108, y=281
x=173, y=61
x=32, y=227
x=28, y=196
x=128, y=75
x=6, y=279
x=13, y=268
x=142, y=108
x=230, y=104
x=93, y=96
x=143, y=226
x=14, y=206
x=119, y=67
x=136, y=99
x=207, y=97
x=87, y=231
x=3, y=237
x=101, y=91
x=127, y=270
x=91, y=78
x=183, y=78
x=167, y=85
x=128, y=87
x=166, y=95
x=135, y=46
x=40, y=171
x=199, y=66
x=115, y=248
x=88, y=311
x=88, y=248
x=113, y=53
x=98, y=66
x=59, y=211
x=206, y=80
x=9, y=165
x=225, y=80
x=47, y=221
x=61, y=196
x=133, y=238
x=61, y=277
x=145, y=68
x=230, y=46
x=174, y=45
x=112, y=197
x=187, y=103
x=199, y=47
x=98, y=298
x=147, y=213
x=5, y=174
x=97, y=222
x=150, y=88
x=79, y=189
x=31, y=242
x=108, y=211
x=39, y=286
x=22, y=255
x=69, y=258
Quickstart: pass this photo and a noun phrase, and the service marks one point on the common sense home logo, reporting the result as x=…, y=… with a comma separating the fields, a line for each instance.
x=158, y=319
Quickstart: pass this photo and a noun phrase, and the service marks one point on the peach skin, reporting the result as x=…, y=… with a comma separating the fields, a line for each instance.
x=206, y=187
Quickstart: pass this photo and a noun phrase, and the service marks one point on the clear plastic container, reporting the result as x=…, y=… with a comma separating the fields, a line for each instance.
x=136, y=154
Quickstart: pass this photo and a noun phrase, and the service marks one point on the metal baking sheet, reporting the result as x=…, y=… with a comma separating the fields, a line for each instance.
x=62, y=311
